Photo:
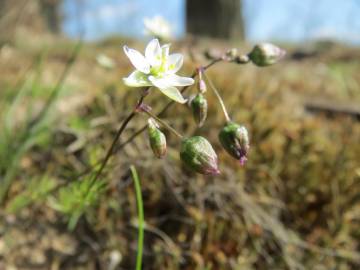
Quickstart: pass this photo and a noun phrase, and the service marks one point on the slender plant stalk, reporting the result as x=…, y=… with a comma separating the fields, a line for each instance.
x=217, y=94
x=113, y=149
x=162, y=122
x=167, y=106
x=141, y=222
x=117, y=137
x=113, y=144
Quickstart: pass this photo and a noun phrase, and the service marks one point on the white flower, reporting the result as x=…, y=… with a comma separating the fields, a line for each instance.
x=157, y=27
x=105, y=61
x=157, y=68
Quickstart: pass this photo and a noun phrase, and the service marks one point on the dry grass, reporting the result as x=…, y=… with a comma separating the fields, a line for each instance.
x=295, y=205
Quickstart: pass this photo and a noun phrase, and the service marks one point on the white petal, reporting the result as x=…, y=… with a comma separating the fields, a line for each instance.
x=174, y=62
x=137, y=79
x=153, y=52
x=165, y=51
x=173, y=93
x=176, y=80
x=137, y=59
x=160, y=82
x=171, y=80
x=166, y=87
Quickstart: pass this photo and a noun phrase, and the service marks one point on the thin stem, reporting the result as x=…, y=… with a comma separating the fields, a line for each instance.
x=117, y=137
x=163, y=123
x=167, y=106
x=217, y=94
x=110, y=151
x=113, y=149
x=141, y=222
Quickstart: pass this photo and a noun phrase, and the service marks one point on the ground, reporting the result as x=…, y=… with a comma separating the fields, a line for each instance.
x=295, y=205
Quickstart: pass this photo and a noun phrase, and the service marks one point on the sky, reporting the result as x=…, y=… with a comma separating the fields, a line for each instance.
x=280, y=20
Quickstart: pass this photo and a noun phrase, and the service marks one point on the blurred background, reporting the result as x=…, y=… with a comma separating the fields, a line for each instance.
x=296, y=203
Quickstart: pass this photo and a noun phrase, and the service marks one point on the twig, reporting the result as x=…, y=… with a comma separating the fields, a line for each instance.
x=217, y=94
x=117, y=137
x=163, y=123
x=332, y=109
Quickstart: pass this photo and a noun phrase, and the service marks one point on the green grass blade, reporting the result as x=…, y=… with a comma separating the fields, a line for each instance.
x=141, y=224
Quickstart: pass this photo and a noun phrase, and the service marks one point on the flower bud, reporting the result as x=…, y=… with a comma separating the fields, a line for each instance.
x=202, y=86
x=235, y=140
x=242, y=59
x=197, y=154
x=266, y=54
x=199, y=108
x=232, y=54
x=157, y=139
x=201, y=83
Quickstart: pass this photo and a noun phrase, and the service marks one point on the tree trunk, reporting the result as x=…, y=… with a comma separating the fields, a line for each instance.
x=51, y=13
x=39, y=15
x=215, y=18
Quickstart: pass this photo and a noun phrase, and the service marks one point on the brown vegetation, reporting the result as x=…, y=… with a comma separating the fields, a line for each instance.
x=295, y=205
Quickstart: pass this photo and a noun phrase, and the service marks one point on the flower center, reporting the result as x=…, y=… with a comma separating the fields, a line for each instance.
x=159, y=70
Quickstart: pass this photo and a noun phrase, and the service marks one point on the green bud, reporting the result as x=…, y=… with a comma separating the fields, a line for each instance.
x=157, y=139
x=266, y=54
x=197, y=154
x=199, y=108
x=235, y=140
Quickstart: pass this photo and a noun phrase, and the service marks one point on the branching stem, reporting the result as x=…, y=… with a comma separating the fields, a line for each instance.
x=167, y=106
x=117, y=137
x=162, y=122
x=113, y=147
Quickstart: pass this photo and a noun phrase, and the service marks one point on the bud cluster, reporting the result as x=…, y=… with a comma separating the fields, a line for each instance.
x=263, y=54
x=196, y=152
